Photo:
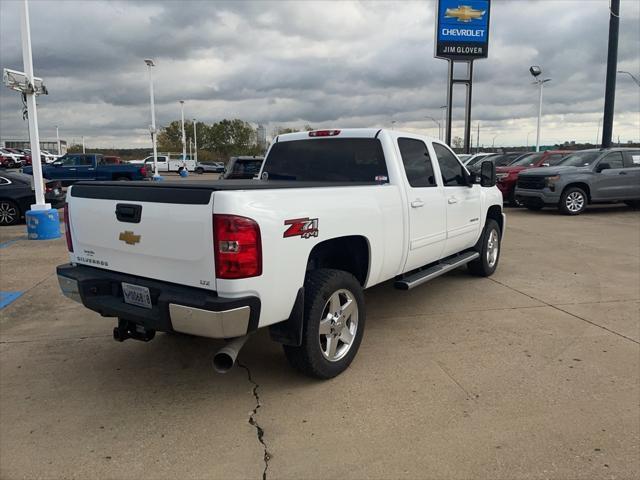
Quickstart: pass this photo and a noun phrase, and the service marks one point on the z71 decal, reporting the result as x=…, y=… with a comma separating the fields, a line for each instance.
x=301, y=227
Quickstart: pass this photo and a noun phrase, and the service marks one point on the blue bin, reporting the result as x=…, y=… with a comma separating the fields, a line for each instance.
x=42, y=224
x=184, y=172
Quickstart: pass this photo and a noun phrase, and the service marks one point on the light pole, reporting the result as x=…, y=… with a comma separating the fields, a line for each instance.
x=633, y=77
x=493, y=142
x=443, y=108
x=152, y=128
x=184, y=141
x=195, y=138
x=598, y=131
x=437, y=123
x=478, y=139
x=58, y=139
x=535, y=70
x=83, y=151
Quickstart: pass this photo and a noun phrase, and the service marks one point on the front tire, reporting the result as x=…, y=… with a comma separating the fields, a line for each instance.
x=489, y=250
x=9, y=212
x=334, y=319
x=573, y=201
x=199, y=170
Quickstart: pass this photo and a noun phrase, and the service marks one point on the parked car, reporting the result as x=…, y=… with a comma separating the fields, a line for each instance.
x=246, y=167
x=463, y=157
x=343, y=210
x=498, y=159
x=168, y=164
x=214, y=167
x=26, y=156
x=507, y=176
x=475, y=158
x=589, y=176
x=73, y=167
x=9, y=159
x=17, y=196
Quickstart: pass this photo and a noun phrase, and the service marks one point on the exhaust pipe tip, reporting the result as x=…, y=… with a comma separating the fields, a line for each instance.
x=223, y=361
x=225, y=358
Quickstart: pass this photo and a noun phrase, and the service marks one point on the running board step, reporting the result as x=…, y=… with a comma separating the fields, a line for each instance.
x=423, y=276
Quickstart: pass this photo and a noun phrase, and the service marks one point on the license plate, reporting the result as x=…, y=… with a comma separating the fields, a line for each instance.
x=136, y=295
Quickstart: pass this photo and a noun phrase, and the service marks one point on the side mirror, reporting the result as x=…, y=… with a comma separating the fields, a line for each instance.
x=544, y=165
x=57, y=164
x=603, y=166
x=488, y=174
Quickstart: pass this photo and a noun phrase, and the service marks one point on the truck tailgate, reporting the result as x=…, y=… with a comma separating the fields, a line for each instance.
x=160, y=233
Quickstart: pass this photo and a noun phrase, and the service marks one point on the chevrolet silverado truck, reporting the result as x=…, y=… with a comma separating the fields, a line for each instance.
x=333, y=213
x=608, y=175
x=74, y=167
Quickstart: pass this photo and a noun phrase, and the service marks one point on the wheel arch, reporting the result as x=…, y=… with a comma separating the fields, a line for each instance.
x=350, y=253
x=495, y=213
x=582, y=185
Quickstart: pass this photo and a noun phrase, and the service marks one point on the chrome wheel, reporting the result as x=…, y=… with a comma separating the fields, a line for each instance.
x=574, y=202
x=8, y=213
x=493, y=245
x=338, y=325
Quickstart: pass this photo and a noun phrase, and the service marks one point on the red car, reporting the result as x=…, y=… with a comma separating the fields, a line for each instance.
x=508, y=176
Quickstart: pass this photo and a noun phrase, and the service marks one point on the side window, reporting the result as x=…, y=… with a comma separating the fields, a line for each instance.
x=614, y=159
x=417, y=163
x=68, y=160
x=453, y=174
x=4, y=181
x=84, y=160
x=632, y=159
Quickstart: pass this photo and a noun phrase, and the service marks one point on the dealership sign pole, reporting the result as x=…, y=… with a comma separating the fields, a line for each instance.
x=462, y=36
x=43, y=222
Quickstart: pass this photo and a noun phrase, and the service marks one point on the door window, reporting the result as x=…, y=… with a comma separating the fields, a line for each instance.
x=614, y=160
x=554, y=159
x=84, y=160
x=632, y=159
x=453, y=173
x=417, y=164
x=68, y=160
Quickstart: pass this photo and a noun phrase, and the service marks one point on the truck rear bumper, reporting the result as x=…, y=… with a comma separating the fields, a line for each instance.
x=174, y=307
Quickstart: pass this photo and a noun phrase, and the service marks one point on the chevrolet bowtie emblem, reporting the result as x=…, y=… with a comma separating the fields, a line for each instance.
x=464, y=13
x=129, y=237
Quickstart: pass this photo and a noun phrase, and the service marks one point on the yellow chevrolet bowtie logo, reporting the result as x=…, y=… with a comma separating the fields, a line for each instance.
x=464, y=13
x=129, y=237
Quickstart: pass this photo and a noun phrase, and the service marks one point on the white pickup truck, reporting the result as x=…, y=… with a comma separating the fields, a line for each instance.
x=334, y=212
x=168, y=164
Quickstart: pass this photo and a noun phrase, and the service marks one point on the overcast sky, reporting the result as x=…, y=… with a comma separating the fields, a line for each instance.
x=290, y=63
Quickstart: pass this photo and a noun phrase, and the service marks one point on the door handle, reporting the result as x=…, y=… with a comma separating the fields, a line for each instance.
x=72, y=169
x=417, y=203
x=452, y=200
x=622, y=173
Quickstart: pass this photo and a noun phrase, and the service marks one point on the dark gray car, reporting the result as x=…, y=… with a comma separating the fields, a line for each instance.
x=584, y=177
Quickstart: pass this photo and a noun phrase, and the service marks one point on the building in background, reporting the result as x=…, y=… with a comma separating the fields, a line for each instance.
x=261, y=136
x=50, y=146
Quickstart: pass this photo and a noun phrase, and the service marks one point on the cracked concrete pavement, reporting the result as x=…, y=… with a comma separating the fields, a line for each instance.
x=533, y=373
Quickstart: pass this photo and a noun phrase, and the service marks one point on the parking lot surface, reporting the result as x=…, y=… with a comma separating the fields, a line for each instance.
x=531, y=373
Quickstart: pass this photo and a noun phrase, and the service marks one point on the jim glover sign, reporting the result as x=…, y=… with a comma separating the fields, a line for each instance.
x=462, y=29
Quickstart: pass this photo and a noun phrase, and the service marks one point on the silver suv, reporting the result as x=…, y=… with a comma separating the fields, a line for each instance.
x=606, y=175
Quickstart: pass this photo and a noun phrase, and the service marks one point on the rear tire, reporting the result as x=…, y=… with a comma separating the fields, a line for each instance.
x=573, y=201
x=9, y=212
x=489, y=251
x=329, y=341
x=123, y=179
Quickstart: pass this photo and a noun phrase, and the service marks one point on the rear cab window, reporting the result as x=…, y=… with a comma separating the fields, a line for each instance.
x=327, y=160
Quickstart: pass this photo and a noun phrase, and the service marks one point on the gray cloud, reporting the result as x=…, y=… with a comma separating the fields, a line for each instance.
x=323, y=63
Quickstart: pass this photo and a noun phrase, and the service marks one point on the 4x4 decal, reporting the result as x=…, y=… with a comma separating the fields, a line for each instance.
x=301, y=227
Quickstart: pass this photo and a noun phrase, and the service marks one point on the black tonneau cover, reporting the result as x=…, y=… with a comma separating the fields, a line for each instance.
x=187, y=191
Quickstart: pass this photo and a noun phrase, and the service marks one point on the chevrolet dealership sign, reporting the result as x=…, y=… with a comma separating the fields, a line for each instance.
x=462, y=29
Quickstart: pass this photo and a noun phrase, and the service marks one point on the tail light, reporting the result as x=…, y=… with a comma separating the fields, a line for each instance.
x=237, y=247
x=67, y=228
x=143, y=171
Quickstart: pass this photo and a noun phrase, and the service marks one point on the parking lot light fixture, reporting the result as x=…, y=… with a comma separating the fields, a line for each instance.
x=184, y=138
x=633, y=77
x=152, y=129
x=536, y=71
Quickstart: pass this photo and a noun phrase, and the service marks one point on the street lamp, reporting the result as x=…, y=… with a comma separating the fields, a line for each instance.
x=152, y=128
x=536, y=71
x=633, y=77
x=42, y=221
x=493, y=142
x=195, y=138
x=184, y=141
x=437, y=123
